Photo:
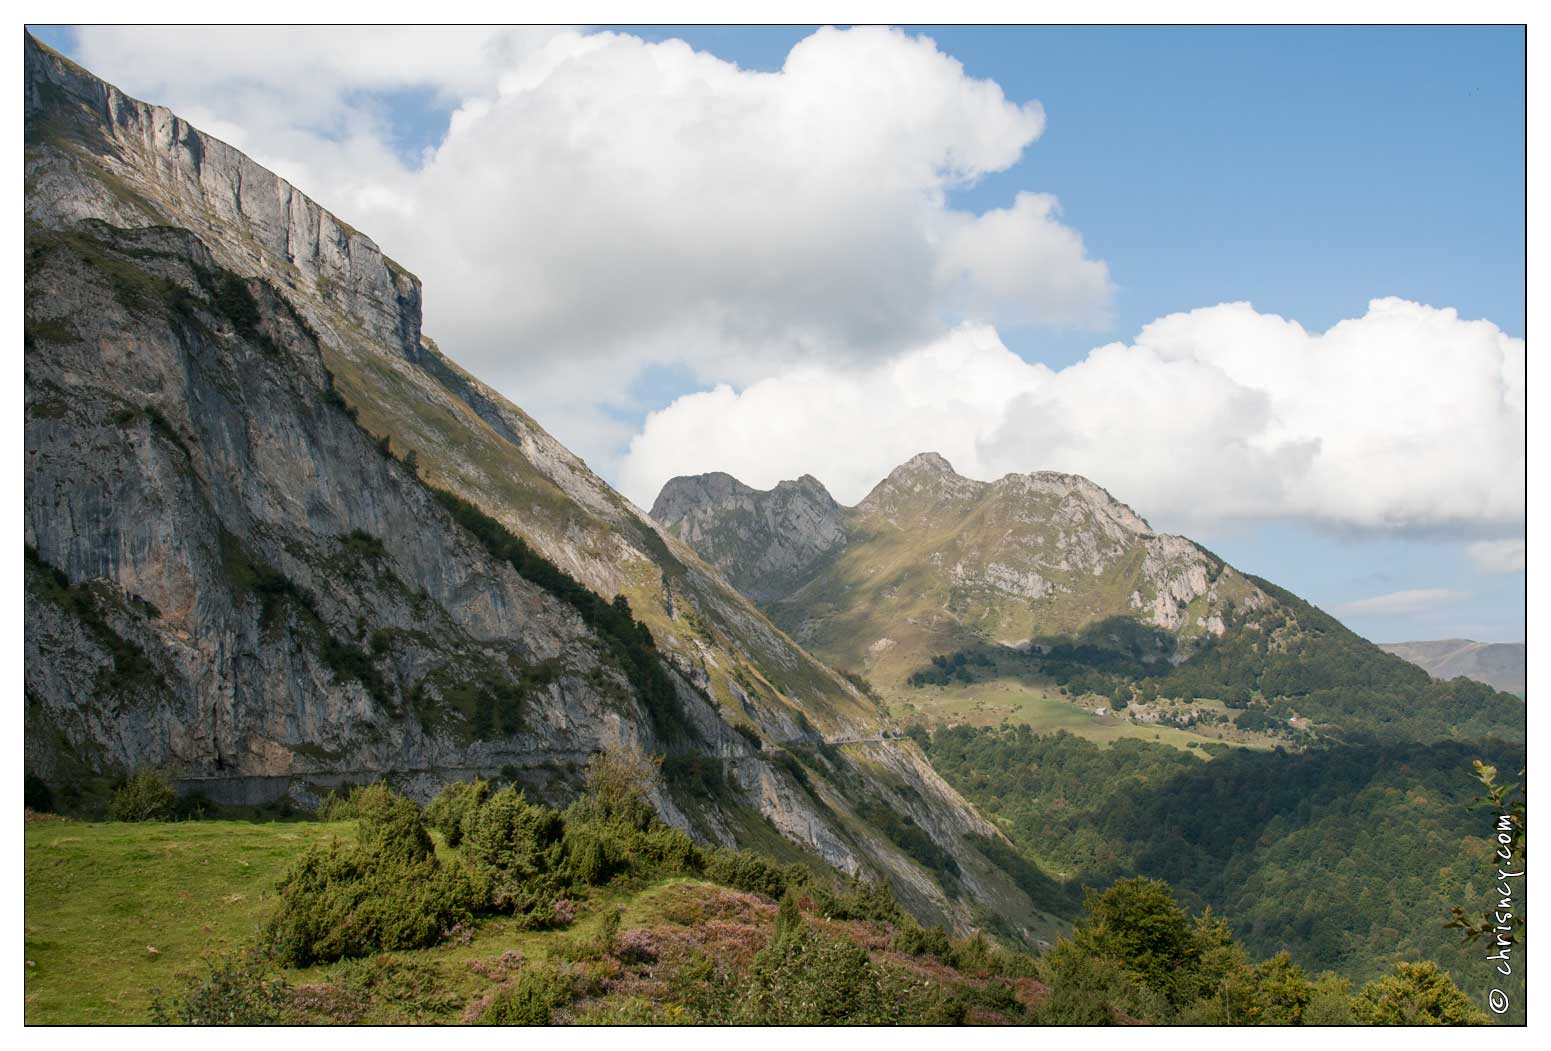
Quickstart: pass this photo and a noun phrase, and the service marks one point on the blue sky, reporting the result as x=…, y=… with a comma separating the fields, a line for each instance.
x=1306, y=171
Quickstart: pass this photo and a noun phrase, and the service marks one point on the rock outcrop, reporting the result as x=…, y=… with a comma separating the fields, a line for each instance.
x=767, y=543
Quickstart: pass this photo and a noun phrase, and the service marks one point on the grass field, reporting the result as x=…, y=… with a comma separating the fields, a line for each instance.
x=100, y=897
x=997, y=701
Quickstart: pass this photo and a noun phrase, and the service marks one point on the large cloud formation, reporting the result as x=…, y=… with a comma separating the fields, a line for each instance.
x=601, y=206
x=603, y=219
x=1407, y=418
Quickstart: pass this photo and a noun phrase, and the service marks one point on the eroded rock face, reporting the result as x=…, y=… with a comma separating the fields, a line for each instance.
x=239, y=565
x=766, y=543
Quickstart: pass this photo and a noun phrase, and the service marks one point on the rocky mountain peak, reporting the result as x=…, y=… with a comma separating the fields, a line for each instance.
x=918, y=485
x=927, y=462
x=1078, y=493
x=686, y=492
x=766, y=542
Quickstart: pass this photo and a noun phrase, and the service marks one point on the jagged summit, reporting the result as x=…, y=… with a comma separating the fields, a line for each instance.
x=929, y=556
x=766, y=542
x=927, y=462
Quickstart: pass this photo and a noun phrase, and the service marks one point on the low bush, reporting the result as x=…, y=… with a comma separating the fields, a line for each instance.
x=387, y=892
x=339, y=804
x=916, y=940
x=860, y=900
x=530, y=1000
x=390, y=825
x=147, y=796
x=805, y=978
x=343, y=902
x=240, y=989
x=747, y=871
x=447, y=811
x=517, y=846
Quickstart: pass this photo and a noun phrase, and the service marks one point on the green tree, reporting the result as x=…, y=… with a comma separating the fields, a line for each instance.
x=1416, y=994
x=1138, y=923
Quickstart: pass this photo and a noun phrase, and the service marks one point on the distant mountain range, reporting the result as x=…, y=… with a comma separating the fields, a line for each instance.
x=1499, y=664
x=1046, y=579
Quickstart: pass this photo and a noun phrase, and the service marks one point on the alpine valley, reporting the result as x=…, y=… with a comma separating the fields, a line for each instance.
x=281, y=547
x=1067, y=668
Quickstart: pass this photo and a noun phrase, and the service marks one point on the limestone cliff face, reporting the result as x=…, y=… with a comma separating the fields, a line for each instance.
x=766, y=543
x=249, y=481
x=930, y=560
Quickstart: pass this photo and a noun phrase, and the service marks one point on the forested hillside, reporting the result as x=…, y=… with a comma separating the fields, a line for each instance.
x=1348, y=857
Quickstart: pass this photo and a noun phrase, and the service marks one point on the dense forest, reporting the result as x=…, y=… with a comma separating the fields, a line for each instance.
x=1347, y=857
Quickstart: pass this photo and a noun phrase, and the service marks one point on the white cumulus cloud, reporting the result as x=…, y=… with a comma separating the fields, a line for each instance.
x=1407, y=418
x=600, y=205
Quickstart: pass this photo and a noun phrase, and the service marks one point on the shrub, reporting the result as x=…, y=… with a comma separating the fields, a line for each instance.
x=390, y=824
x=339, y=804
x=517, y=845
x=861, y=900
x=531, y=1000
x=341, y=902
x=415, y=987
x=147, y=796
x=807, y=979
x=1087, y=990
x=239, y=990
x=387, y=892
x=747, y=871
x=591, y=858
x=788, y=917
x=916, y=940
x=452, y=805
x=196, y=806
x=620, y=785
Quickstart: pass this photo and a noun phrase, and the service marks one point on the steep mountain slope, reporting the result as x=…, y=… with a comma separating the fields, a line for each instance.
x=1498, y=664
x=937, y=578
x=275, y=538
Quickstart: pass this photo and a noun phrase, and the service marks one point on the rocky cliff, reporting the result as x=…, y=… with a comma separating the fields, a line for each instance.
x=275, y=537
x=767, y=543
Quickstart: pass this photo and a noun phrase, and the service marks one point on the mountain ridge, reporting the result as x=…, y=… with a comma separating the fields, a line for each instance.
x=1044, y=580
x=328, y=551
x=1498, y=664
